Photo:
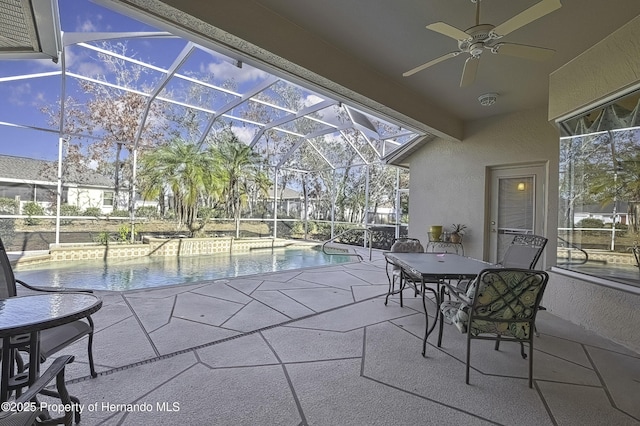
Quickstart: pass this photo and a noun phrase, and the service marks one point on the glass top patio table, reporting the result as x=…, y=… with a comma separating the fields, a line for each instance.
x=440, y=266
x=436, y=268
x=30, y=315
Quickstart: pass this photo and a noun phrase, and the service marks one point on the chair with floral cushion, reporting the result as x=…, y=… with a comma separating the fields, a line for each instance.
x=394, y=272
x=501, y=305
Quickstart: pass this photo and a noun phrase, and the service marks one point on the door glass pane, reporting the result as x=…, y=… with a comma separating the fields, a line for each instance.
x=515, y=209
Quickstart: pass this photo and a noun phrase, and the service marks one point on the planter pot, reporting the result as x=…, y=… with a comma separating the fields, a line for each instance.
x=456, y=238
x=435, y=232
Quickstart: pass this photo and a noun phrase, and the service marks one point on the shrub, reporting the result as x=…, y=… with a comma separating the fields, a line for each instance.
x=297, y=228
x=92, y=211
x=150, y=212
x=32, y=209
x=323, y=229
x=69, y=210
x=8, y=205
x=312, y=227
x=119, y=213
x=591, y=223
x=124, y=232
x=285, y=230
x=206, y=212
x=102, y=238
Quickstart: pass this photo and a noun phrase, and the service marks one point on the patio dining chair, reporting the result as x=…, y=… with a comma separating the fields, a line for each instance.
x=28, y=414
x=501, y=305
x=52, y=340
x=394, y=272
x=523, y=252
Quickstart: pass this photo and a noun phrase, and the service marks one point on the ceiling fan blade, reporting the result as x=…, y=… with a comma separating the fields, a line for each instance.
x=469, y=71
x=523, y=51
x=432, y=62
x=448, y=30
x=525, y=17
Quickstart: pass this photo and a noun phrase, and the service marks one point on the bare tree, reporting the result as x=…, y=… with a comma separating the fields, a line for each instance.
x=111, y=116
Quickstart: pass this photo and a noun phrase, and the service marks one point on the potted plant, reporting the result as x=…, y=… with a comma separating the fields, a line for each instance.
x=457, y=232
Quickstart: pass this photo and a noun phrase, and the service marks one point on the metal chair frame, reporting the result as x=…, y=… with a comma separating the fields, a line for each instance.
x=533, y=241
x=31, y=415
x=73, y=331
x=400, y=245
x=508, y=307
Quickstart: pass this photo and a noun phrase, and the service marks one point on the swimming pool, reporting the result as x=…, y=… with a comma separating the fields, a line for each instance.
x=148, y=272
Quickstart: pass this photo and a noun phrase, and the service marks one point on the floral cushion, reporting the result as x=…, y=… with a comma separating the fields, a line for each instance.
x=454, y=311
x=496, y=301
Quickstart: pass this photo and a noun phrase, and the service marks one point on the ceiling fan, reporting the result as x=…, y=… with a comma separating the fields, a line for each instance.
x=476, y=39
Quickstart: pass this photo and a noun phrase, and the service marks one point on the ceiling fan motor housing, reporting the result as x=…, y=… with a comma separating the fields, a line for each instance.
x=478, y=35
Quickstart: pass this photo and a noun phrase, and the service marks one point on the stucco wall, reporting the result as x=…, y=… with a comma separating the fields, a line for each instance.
x=448, y=179
x=605, y=69
x=609, y=312
x=598, y=74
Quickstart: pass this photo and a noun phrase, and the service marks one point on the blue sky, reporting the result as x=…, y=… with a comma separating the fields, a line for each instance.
x=24, y=98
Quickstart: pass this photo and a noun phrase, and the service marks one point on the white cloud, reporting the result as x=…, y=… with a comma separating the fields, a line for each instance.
x=227, y=71
x=82, y=63
x=312, y=100
x=89, y=69
x=20, y=94
x=245, y=134
x=88, y=25
x=39, y=99
x=70, y=58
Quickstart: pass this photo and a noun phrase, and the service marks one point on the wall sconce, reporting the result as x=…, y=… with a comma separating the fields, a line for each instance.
x=521, y=186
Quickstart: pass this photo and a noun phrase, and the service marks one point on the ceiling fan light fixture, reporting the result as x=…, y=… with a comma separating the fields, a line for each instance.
x=488, y=99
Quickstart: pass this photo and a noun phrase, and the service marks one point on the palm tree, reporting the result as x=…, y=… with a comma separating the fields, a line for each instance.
x=240, y=170
x=188, y=172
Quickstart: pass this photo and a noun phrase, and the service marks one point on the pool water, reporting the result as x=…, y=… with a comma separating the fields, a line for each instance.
x=148, y=272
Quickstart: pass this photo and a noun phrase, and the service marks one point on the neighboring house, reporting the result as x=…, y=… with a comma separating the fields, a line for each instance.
x=604, y=213
x=290, y=202
x=382, y=215
x=28, y=179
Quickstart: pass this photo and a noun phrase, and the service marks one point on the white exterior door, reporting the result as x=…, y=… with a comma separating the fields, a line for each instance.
x=517, y=205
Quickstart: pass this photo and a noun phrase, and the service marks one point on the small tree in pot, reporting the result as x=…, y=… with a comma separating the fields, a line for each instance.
x=457, y=232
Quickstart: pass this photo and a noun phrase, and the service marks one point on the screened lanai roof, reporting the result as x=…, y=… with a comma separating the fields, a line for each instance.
x=177, y=88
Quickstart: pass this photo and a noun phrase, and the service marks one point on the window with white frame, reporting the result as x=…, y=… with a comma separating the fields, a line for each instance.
x=107, y=198
x=599, y=206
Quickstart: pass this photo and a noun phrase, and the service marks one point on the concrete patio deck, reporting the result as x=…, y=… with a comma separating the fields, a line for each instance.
x=319, y=347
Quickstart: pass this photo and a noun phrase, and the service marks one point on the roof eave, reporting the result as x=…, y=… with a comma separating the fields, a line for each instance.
x=400, y=156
